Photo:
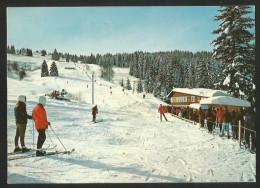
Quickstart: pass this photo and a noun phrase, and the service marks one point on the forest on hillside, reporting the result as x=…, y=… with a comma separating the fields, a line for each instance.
x=230, y=67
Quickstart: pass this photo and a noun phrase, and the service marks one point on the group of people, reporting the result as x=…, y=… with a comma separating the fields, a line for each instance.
x=41, y=123
x=39, y=116
x=219, y=117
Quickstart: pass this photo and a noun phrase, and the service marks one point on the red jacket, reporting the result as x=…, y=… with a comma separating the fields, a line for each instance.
x=39, y=116
x=161, y=109
x=219, y=116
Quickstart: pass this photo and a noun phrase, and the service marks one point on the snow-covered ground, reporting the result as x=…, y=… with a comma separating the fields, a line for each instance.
x=128, y=145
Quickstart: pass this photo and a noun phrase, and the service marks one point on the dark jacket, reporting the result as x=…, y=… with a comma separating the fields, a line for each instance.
x=209, y=115
x=20, y=113
x=94, y=110
x=226, y=117
x=250, y=121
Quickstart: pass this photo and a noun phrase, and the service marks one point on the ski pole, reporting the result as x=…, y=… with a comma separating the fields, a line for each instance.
x=50, y=137
x=33, y=135
x=58, y=138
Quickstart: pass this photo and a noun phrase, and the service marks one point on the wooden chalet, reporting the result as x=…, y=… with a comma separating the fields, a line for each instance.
x=182, y=97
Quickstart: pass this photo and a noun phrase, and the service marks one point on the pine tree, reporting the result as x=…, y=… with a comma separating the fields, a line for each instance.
x=29, y=52
x=139, y=86
x=67, y=58
x=122, y=83
x=204, y=74
x=44, y=70
x=235, y=49
x=128, y=84
x=54, y=70
x=43, y=53
x=22, y=74
x=92, y=59
x=55, y=55
x=12, y=50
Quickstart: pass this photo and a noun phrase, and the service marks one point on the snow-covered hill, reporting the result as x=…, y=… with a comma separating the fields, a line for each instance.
x=128, y=145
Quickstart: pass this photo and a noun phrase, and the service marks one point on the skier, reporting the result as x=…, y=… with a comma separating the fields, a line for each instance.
x=94, y=113
x=21, y=117
x=161, y=110
x=41, y=124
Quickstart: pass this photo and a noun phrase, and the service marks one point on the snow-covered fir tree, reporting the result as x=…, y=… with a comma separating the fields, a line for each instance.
x=106, y=63
x=22, y=74
x=11, y=50
x=55, y=55
x=92, y=59
x=139, y=86
x=128, y=84
x=234, y=47
x=205, y=74
x=43, y=53
x=44, y=69
x=29, y=52
x=54, y=69
x=122, y=83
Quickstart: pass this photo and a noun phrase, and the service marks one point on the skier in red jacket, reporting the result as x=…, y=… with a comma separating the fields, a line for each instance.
x=41, y=124
x=161, y=110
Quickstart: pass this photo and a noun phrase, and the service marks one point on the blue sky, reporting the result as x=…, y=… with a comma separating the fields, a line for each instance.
x=85, y=30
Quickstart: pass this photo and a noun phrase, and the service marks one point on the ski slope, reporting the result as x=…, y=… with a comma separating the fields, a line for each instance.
x=128, y=144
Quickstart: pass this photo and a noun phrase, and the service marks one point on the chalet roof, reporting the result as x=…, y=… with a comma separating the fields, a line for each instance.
x=226, y=100
x=198, y=106
x=203, y=92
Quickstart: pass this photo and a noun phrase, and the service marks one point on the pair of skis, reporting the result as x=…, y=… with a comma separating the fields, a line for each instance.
x=15, y=156
x=20, y=152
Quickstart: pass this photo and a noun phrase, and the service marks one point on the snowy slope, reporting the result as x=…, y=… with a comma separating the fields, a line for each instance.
x=128, y=145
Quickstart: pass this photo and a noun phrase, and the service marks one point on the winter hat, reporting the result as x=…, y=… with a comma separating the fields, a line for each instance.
x=22, y=98
x=42, y=100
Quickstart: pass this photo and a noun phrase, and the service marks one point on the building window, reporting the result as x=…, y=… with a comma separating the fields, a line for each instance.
x=180, y=99
x=192, y=98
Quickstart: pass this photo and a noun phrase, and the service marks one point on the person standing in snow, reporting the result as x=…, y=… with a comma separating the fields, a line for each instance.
x=226, y=121
x=209, y=117
x=200, y=115
x=219, y=118
x=234, y=123
x=214, y=112
x=94, y=113
x=21, y=117
x=250, y=124
x=161, y=111
x=41, y=124
x=241, y=118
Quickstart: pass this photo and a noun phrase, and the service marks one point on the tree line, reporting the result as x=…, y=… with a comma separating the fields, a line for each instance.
x=231, y=65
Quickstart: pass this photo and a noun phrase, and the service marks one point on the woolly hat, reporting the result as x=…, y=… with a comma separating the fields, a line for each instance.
x=42, y=100
x=22, y=98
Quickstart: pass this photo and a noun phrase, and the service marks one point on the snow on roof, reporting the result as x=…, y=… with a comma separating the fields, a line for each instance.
x=198, y=106
x=200, y=92
x=226, y=100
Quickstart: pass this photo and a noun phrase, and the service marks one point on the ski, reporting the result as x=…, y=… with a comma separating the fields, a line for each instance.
x=46, y=154
x=20, y=152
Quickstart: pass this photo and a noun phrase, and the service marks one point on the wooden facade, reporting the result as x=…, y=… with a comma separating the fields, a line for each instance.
x=185, y=96
x=184, y=99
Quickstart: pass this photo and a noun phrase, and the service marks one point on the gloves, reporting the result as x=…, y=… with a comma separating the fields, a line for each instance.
x=49, y=123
